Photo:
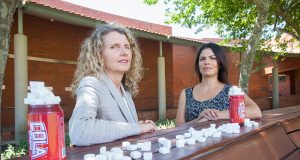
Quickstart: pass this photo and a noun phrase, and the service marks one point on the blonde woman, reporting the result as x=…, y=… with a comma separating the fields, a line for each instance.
x=107, y=75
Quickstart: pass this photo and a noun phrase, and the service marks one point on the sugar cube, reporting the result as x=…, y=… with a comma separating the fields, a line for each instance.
x=125, y=144
x=179, y=137
x=103, y=150
x=180, y=143
x=191, y=141
x=89, y=157
x=101, y=157
x=125, y=158
x=135, y=154
x=187, y=135
x=191, y=129
x=139, y=145
x=147, y=155
x=217, y=134
x=164, y=150
x=201, y=139
x=146, y=148
x=161, y=140
x=132, y=147
x=116, y=149
x=213, y=125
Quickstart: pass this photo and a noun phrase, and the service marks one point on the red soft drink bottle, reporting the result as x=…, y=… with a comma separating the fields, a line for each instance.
x=46, y=134
x=237, y=108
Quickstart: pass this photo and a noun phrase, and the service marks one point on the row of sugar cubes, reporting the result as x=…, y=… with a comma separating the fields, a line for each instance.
x=116, y=153
x=189, y=138
x=193, y=136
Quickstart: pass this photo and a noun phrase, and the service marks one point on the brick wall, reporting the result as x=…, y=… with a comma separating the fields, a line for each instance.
x=283, y=85
x=183, y=69
x=289, y=90
x=61, y=41
x=148, y=95
x=297, y=80
x=46, y=39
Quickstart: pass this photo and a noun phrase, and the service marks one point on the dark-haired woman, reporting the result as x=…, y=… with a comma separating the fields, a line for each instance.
x=209, y=100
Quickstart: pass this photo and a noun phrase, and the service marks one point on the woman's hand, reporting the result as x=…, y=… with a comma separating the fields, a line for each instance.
x=150, y=121
x=201, y=120
x=141, y=122
x=213, y=114
x=209, y=114
x=147, y=126
x=147, y=121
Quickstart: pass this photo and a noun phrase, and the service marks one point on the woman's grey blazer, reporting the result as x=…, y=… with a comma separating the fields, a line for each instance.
x=100, y=114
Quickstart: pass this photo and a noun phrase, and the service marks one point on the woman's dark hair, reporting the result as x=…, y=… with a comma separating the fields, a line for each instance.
x=221, y=59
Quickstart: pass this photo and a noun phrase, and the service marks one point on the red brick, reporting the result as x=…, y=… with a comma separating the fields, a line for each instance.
x=62, y=41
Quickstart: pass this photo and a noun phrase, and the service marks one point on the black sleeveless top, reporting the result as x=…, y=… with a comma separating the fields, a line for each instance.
x=194, y=107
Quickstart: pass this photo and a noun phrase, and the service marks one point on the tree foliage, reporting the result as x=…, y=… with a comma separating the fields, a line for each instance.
x=285, y=15
x=235, y=19
x=251, y=23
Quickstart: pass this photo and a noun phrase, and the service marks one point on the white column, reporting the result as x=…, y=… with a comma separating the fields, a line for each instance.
x=161, y=84
x=20, y=79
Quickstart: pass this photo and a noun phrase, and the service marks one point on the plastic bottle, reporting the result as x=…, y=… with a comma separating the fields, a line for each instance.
x=46, y=133
x=236, y=105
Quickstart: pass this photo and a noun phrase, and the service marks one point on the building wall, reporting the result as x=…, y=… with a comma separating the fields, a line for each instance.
x=55, y=40
x=59, y=41
x=183, y=72
x=283, y=85
x=50, y=40
x=297, y=81
x=147, y=100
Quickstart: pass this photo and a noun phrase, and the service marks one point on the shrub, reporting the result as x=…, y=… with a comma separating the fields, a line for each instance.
x=165, y=123
x=17, y=150
x=13, y=151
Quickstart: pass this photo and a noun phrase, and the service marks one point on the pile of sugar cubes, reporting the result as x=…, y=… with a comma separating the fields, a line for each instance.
x=248, y=123
x=193, y=136
x=117, y=153
x=188, y=138
x=40, y=95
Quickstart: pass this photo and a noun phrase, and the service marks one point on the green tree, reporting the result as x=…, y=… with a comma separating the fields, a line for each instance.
x=252, y=22
x=7, y=9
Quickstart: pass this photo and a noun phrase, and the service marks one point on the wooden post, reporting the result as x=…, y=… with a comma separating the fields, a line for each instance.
x=161, y=84
x=275, y=93
x=21, y=79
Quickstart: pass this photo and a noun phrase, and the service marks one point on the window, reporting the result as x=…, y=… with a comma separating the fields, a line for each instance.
x=281, y=79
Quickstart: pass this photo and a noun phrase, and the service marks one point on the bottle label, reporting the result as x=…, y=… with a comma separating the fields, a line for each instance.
x=62, y=130
x=38, y=139
x=241, y=110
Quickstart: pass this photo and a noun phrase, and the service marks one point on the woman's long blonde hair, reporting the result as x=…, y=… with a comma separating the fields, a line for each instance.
x=90, y=62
